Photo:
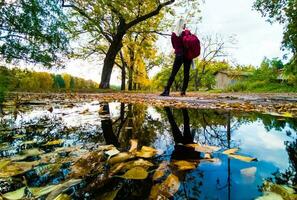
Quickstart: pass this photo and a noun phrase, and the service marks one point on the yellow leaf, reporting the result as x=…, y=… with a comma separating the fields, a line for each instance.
x=242, y=158
x=112, y=152
x=138, y=163
x=134, y=144
x=203, y=148
x=54, y=142
x=137, y=173
x=160, y=171
x=155, y=193
x=170, y=186
x=230, y=151
x=146, y=152
x=287, y=114
x=184, y=165
x=63, y=197
x=15, y=195
x=121, y=157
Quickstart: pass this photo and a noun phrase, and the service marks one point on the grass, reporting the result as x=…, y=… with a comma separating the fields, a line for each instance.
x=262, y=86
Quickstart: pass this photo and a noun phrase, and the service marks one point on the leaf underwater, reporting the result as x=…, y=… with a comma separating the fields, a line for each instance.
x=184, y=165
x=146, y=152
x=203, y=148
x=16, y=168
x=15, y=195
x=170, y=186
x=137, y=173
x=230, y=151
x=121, y=157
x=27, y=153
x=54, y=142
x=63, y=197
x=243, y=158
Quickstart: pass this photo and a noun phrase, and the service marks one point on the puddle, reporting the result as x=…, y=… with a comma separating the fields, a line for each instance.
x=62, y=145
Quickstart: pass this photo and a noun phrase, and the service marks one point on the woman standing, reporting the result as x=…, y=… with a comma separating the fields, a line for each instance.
x=180, y=58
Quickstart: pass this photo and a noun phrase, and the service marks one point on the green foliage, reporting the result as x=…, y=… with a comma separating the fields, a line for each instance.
x=4, y=82
x=33, y=31
x=30, y=81
x=284, y=12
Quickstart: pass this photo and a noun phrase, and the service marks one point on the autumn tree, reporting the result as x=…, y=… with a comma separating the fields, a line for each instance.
x=34, y=31
x=106, y=22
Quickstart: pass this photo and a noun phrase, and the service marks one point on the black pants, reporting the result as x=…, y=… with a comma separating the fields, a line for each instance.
x=178, y=61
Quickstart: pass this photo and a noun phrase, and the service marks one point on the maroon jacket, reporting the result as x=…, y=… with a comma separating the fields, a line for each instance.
x=177, y=43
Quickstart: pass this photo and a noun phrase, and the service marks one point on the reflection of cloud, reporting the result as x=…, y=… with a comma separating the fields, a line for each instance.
x=265, y=146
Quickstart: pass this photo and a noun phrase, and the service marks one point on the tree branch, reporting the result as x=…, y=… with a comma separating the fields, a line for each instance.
x=149, y=15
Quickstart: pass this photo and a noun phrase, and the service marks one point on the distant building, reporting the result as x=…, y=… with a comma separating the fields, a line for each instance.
x=225, y=78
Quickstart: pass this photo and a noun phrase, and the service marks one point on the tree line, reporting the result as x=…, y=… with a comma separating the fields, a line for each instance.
x=16, y=79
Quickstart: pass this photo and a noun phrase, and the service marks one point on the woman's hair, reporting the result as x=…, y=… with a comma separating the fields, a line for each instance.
x=180, y=25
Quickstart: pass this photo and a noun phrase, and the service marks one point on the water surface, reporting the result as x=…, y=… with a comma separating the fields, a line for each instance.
x=269, y=139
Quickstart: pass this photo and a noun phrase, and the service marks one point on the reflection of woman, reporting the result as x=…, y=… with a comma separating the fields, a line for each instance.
x=180, y=58
x=182, y=152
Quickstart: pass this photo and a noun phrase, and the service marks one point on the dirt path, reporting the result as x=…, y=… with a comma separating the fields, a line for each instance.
x=278, y=104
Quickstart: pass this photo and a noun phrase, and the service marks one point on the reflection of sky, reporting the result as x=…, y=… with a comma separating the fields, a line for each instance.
x=265, y=146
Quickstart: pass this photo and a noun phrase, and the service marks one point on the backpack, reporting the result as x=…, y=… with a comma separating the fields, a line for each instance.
x=191, y=45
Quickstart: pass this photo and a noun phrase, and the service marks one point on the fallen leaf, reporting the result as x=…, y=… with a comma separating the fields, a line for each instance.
x=183, y=165
x=63, y=188
x=270, y=196
x=155, y=193
x=121, y=157
x=4, y=162
x=27, y=153
x=40, y=191
x=112, y=152
x=16, y=168
x=243, y=158
x=63, y=197
x=116, y=168
x=15, y=195
x=249, y=171
x=136, y=173
x=203, y=148
x=170, y=186
x=134, y=144
x=146, y=152
x=137, y=163
x=230, y=151
x=160, y=171
x=54, y=142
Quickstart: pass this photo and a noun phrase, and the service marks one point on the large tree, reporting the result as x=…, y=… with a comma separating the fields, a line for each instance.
x=33, y=31
x=284, y=12
x=106, y=22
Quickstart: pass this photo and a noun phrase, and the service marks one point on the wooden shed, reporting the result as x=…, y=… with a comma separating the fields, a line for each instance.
x=226, y=78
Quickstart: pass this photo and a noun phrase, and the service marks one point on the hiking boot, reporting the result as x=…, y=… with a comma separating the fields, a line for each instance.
x=182, y=93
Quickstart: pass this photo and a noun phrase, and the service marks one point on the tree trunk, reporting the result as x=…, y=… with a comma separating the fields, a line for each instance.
x=130, y=81
x=123, y=85
x=196, y=80
x=109, y=60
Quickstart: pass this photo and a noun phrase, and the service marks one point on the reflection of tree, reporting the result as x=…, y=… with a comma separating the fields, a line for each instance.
x=289, y=176
x=106, y=124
